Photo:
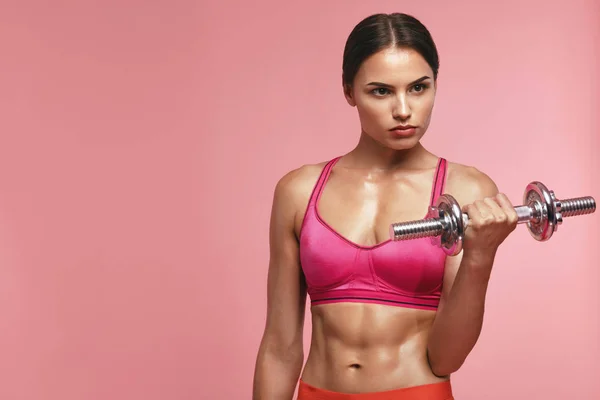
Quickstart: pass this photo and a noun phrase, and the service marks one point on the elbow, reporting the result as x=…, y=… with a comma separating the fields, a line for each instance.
x=283, y=352
x=442, y=371
x=443, y=366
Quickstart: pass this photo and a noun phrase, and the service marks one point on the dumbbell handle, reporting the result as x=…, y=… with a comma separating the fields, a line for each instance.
x=526, y=213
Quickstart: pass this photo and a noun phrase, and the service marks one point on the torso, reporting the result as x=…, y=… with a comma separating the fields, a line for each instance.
x=368, y=348
x=361, y=347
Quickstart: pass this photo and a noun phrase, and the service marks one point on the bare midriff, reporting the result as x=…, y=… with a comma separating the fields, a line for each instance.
x=362, y=347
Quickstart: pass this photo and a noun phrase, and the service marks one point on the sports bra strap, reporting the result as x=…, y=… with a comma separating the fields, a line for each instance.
x=321, y=181
x=436, y=191
x=439, y=180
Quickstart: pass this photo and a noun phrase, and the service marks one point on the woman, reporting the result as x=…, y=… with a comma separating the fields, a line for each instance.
x=391, y=319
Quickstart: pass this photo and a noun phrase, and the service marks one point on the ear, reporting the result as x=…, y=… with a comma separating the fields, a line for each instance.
x=349, y=94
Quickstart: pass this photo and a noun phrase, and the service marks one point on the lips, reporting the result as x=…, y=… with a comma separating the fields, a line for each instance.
x=403, y=131
x=402, y=128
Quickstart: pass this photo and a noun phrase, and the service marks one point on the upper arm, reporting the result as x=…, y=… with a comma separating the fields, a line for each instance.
x=286, y=293
x=466, y=185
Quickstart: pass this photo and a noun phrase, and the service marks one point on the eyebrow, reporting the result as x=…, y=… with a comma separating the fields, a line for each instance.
x=387, y=85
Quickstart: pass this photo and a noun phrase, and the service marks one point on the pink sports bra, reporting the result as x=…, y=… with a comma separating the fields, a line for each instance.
x=401, y=273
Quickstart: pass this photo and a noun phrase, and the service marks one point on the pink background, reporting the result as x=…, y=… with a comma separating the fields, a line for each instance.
x=140, y=143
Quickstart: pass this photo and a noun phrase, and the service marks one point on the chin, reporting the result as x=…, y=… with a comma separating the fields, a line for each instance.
x=398, y=147
x=401, y=143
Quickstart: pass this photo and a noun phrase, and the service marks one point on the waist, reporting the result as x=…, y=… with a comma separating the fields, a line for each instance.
x=368, y=347
x=380, y=370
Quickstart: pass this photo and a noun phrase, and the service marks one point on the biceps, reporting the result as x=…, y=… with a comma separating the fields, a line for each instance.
x=286, y=293
x=286, y=297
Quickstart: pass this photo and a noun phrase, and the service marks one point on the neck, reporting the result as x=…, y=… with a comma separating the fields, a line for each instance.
x=372, y=155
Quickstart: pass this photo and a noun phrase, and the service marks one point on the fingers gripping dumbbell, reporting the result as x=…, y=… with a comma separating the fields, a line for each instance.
x=446, y=223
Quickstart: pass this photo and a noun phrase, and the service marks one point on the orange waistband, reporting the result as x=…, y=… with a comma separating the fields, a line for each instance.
x=432, y=391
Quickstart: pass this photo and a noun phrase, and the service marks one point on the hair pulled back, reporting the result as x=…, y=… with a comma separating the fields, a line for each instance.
x=381, y=31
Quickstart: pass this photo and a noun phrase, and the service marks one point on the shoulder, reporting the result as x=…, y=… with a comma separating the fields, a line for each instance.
x=468, y=183
x=298, y=181
x=293, y=189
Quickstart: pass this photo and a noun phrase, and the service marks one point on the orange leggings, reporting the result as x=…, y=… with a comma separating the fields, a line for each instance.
x=434, y=391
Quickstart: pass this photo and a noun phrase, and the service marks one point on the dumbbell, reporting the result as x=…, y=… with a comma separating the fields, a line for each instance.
x=445, y=222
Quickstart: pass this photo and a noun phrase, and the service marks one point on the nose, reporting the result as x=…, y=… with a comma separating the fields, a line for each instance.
x=401, y=109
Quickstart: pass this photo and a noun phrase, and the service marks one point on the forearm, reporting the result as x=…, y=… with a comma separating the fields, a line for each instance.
x=275, y=377
x=457, y=326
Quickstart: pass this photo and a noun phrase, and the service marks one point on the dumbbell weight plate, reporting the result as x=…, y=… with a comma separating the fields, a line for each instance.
x=454, y=222
x=546, y=211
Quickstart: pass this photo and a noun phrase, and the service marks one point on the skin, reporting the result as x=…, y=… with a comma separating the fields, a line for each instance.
x=358, y=348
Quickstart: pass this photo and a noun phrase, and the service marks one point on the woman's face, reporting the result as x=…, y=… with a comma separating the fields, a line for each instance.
x=393, y=88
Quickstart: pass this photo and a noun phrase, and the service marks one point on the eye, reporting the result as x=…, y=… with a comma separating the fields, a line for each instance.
x=420, y=87
x=380, y=91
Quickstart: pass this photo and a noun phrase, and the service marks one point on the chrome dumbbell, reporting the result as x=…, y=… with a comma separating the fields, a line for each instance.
x=446, y=223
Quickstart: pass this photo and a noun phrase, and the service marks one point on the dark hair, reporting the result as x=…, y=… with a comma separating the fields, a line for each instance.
x=380, y=31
